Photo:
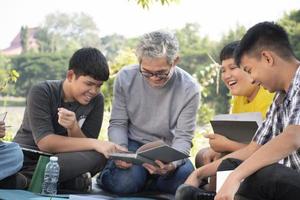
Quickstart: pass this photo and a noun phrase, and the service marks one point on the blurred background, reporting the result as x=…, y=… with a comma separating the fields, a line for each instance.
x=38, y=38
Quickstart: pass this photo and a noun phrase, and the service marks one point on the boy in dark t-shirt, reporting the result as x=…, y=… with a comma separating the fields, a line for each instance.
x=64, y=118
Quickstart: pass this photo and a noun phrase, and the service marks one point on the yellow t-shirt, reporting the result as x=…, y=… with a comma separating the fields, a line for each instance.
x=260, y=103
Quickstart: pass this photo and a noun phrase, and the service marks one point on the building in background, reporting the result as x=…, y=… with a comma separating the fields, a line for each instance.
x=16, y=48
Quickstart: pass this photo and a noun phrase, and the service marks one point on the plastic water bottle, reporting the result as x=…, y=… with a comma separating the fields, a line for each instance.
x=51, y=177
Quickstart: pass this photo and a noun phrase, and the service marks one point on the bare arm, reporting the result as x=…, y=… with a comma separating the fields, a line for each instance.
x=220, y=143
x=269, y=153
x=67, y=119
x=211, y=169
x=234, y=146
x=55, y=143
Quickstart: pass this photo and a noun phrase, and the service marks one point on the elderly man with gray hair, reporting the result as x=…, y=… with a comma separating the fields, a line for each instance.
x=154, y=100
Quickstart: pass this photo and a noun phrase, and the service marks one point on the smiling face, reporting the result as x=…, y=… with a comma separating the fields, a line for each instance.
x=261, y=70
x=237, y=81
x=81, y=88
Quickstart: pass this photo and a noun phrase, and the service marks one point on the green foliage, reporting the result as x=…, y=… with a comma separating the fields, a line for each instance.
x=216, y=93
x=63, y=33
x=12, y=101
x=291, y=22
x=146, y=3
x=208, y=75
x=232, y=35
x=67, y=32
x=199, y=141
x=195, y=54
x=205, y=113
x=125, y=57
x=34, y=68
x=24, y=38
x=193, y=48
x=8, y=75
x=8, y=136
x=111, y=45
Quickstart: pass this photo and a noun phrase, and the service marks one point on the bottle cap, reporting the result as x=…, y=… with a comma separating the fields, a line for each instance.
x=53, y=158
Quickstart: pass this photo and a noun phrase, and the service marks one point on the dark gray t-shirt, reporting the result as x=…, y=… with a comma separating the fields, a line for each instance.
x=41, y=119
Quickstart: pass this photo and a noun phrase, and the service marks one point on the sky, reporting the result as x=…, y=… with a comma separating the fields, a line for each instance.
x=125, y=17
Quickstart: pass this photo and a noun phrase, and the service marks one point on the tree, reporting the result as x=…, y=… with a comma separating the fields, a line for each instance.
x=111, y=45
x=291, y=22
x=63, y=32
x=217, y=93
x=34, y=68
x=193, y=48
x=8, y=75
x=146, y=3
x=125, y=57
x=24, y=38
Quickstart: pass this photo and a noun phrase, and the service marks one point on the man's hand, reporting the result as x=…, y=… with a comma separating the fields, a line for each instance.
x=218, y=142
x=107, y=148
x=122, y=164
x=66, y=118
x=228, y=190
x=161, y=169
x=2, y=129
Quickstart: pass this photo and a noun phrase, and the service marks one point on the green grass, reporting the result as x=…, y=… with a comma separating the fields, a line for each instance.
x=7, y=101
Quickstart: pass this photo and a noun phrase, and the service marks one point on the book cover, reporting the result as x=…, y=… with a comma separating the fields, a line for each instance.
x=238, y=127
x=148, y=153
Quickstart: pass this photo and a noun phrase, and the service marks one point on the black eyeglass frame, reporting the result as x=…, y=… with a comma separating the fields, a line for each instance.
x=156, y=74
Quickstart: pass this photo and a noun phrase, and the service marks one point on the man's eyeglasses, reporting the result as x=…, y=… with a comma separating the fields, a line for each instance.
x=160, y=75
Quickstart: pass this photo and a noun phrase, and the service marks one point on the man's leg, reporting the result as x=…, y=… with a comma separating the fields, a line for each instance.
x=275, y=181
x=193, y=193
x=73, y=164
x=169, y=183
x=123, y=181
x=75, y=168
x=272, y=182
x=189, y=192
x=11, y=159
x=29, y=164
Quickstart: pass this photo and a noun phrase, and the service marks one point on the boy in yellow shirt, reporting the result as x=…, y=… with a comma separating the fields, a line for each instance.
x=247, y=97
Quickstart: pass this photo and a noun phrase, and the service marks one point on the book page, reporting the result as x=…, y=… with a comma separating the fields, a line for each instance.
x=221, y=177
x=247, y=116
x=151, y=145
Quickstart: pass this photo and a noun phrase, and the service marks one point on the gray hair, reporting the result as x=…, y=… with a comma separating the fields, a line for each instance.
x=158, y=44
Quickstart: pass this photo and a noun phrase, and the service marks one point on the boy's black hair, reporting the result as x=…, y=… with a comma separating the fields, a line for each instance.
x=228, y=51
x=264, y=36
x=91, y=62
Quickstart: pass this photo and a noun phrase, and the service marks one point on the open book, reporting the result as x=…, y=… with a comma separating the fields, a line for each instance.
x=148, y=153
x=238, y=127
